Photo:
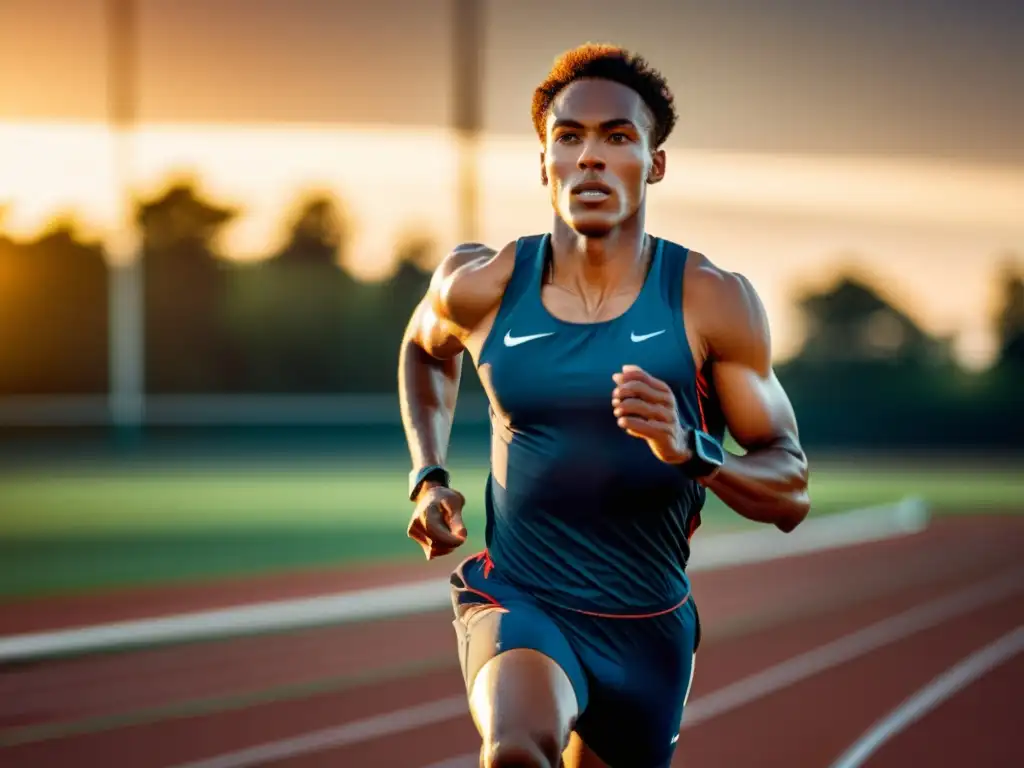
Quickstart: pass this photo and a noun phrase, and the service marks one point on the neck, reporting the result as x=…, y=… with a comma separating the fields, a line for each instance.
x=604, y=264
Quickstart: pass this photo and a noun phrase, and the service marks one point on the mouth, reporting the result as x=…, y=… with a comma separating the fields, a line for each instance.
x=591, y=191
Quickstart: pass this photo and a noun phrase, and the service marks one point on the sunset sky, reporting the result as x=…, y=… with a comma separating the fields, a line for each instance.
x=812, y=136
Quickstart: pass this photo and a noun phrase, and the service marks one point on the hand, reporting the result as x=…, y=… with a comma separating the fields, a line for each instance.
x=645, y=407
x=437, y=521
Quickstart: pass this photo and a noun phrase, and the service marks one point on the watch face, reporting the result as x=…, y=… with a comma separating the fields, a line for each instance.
x=708, y=449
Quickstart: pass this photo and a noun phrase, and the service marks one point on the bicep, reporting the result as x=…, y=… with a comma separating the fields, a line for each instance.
x=756, y=408
x=431, y=332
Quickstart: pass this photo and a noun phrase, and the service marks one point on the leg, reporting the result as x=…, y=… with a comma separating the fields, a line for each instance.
x=579, y=755
x=524, y=707
x=640, y=684
x=525, y=684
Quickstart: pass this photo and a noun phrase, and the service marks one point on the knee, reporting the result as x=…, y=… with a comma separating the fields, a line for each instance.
x=523, y=750
x=525, y=708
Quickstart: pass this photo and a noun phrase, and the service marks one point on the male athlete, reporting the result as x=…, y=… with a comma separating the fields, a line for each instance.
x=613, y=361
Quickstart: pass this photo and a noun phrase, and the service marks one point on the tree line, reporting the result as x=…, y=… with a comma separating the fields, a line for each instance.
x=296, y=322
x=299, y=322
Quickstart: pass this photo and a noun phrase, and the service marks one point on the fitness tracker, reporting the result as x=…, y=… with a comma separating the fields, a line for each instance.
x=433, y=472
x=707, y=454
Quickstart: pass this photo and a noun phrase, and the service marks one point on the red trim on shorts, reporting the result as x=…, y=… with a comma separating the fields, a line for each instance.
x=675, y=607
x=484, y=595
x=485, y=556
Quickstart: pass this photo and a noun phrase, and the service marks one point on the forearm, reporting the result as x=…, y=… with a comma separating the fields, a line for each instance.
x=767, y=485
x=428, y=390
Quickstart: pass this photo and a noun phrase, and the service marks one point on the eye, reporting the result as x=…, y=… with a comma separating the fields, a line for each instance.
x=566, y=138
x=618, y=138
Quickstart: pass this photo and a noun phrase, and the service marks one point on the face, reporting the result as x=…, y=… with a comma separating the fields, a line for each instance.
x=598, y=158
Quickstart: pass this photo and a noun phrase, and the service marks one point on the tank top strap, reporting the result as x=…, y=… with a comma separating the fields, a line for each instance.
x=525, y=280
x=649, y=297
x=535, y=252
x=526, y=274
x=673, y=268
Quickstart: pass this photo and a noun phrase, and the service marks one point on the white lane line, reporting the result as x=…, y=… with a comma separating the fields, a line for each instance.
x=843, y=529
x=723, y=700
x=345, y=735
x=932, y=695
x=849, y=647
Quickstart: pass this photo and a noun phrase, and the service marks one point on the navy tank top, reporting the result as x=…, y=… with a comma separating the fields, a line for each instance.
x=580, y=514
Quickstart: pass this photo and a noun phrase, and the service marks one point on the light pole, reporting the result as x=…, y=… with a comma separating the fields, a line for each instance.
x=126, y=339
x=467, y=110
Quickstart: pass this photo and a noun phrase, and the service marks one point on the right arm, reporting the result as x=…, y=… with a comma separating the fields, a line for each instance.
x=429, y=371
x=465, y=289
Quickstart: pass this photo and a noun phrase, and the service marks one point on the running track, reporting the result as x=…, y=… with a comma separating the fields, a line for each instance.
x=904, y=652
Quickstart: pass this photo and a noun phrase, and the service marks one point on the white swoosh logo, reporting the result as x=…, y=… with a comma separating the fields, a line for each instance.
x=515, y=341
x=646, y=336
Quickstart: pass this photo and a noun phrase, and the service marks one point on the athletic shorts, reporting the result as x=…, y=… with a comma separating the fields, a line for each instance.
x=631, y=676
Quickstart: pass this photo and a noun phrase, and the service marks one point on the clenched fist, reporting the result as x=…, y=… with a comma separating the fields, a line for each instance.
x=437, y=521
x=645, y=407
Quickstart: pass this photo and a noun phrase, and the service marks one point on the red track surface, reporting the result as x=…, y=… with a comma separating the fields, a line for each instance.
x=221, y=697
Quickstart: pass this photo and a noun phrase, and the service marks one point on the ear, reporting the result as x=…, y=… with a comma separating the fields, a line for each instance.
x=657, y=172
x=543, y=169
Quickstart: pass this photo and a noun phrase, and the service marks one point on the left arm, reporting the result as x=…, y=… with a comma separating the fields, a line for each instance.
x=769, y=483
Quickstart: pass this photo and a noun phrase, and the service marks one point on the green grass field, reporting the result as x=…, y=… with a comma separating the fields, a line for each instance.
x=82, y=530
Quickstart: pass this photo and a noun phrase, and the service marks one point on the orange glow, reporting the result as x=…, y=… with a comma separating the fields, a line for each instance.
x=928, y=233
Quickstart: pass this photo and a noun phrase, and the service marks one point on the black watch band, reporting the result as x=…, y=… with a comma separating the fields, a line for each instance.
x=707, y=454
x=418, y=477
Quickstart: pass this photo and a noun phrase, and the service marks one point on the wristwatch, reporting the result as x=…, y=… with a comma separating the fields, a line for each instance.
x=418, y=477
x=707, y=454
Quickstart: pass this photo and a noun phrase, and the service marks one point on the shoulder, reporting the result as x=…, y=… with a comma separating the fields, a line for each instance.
x=728, y=312
x=470, y=281
x=460, y=256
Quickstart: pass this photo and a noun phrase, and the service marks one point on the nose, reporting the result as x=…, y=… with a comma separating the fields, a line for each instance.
x=590, y=156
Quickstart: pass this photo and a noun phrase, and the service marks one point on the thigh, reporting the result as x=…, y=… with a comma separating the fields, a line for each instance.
x=521, y=674
x=579, y=755
x=524, y=707
x=639, y=687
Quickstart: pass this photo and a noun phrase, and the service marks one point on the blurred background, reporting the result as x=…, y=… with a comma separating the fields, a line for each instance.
x=216, y=217
x=215, y=221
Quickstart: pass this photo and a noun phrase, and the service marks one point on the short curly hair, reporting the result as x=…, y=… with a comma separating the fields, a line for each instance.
x=607, y=62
